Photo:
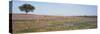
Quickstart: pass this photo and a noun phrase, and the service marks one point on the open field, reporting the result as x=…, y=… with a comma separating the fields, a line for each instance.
x=41, y=23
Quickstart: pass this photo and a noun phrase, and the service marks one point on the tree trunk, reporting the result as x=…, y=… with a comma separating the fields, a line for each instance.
x=26, y=11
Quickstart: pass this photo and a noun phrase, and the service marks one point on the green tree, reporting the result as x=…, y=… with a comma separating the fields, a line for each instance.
x=27, y=8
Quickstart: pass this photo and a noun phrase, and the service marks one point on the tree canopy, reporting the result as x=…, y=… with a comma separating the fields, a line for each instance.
x=27, y=8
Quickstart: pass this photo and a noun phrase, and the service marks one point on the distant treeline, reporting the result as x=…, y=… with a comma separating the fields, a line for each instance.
x=89, y=16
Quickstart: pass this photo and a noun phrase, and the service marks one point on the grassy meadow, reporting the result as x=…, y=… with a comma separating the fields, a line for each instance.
x=54, y=23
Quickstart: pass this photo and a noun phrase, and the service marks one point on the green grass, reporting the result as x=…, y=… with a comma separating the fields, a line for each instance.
x=55, y=22
x=22, y=26
x=87, y=25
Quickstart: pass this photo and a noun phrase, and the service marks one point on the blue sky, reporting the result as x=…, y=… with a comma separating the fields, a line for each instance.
x=57, y=9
